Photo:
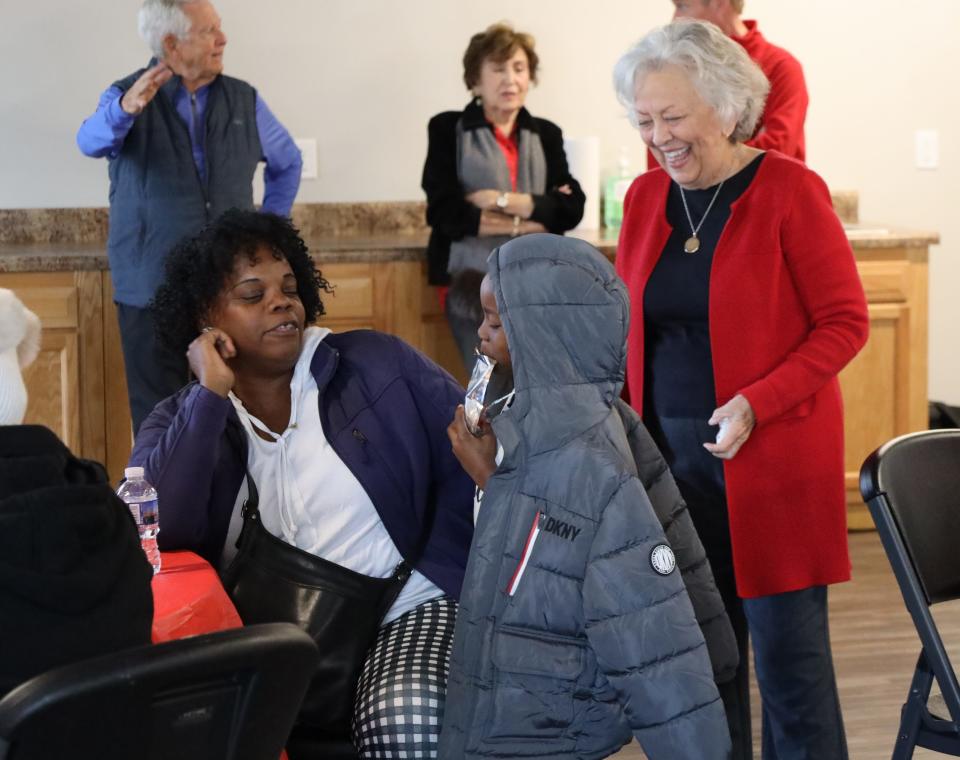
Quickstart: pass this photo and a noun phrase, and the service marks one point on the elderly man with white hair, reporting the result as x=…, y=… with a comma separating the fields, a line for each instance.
x=183, y=141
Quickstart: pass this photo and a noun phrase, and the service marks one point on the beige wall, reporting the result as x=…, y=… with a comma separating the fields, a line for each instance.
x=363, y=77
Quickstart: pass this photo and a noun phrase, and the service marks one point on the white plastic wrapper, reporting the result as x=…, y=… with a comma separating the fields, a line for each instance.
x=476, y=391
x=722, y=432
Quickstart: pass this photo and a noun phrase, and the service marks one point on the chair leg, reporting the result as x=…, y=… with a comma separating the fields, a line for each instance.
x=911, y=714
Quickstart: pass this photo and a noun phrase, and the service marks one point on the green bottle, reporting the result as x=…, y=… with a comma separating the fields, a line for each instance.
x=614, y=190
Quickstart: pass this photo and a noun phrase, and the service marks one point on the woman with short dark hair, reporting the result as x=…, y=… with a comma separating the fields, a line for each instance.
x=493, y=171
x=339, y=440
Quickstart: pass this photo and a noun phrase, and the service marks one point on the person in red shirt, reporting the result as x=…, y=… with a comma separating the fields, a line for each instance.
x=781, y=123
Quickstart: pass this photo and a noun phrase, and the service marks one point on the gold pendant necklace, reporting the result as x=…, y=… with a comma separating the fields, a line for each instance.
x=692, y=244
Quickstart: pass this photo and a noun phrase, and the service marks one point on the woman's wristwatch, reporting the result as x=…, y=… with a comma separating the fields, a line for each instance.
x=502, y=201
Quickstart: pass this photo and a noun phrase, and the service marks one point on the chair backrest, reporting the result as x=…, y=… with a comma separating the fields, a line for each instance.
x=916, y=478
x=232, y=694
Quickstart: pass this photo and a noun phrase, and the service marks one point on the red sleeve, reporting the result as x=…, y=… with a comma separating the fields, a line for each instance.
x=825, y=275
x=785, y=111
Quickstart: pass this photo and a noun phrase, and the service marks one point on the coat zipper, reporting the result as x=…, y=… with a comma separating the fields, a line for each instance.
x=527, y=551
x=362, y=440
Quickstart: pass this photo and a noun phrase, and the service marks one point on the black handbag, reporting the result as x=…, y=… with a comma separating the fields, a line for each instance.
x=271, y=581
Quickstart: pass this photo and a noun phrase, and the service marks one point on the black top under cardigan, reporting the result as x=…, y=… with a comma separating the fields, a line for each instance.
x=452, y=217
x=677, y=361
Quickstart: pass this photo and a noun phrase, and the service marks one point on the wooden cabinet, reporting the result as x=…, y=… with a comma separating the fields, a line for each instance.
x=392, y=297
x=65, y=383
x=383, y=296
x=77, y=386
x=885, y=386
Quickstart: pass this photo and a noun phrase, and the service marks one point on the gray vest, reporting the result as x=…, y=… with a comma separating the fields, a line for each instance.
x=156, y=196
x=482, y=166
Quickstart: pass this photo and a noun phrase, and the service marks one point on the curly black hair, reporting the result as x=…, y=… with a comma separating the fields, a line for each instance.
x=198, y=268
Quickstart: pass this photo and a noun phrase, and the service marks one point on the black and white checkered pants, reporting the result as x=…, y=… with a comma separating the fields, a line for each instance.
x=401, y=691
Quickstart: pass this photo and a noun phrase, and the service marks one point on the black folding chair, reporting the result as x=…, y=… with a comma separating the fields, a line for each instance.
x=231, y=695
x=912, y=486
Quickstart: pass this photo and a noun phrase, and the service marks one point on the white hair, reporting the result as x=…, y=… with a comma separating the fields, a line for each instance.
x=159, y=18
x=719, y=68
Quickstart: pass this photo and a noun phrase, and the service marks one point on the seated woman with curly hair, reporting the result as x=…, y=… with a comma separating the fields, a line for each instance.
x=338, y=439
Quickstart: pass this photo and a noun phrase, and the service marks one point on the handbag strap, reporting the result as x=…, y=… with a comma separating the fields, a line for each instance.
x=251, y=507
x=250, y=512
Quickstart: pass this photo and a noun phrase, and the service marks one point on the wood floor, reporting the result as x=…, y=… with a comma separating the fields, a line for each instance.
x=875, y=649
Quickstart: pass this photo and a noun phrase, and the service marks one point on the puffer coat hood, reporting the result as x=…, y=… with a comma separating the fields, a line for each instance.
x=566, y=315
x=574, y=629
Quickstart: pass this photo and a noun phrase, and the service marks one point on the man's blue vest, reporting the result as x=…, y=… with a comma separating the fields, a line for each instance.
x=156, y=195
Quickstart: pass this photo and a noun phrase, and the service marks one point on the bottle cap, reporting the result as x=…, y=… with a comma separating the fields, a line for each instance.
x=132, y=473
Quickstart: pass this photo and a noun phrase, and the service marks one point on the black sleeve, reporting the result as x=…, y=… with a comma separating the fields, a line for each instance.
x=447, y=210
x=557, y=211
x=449, y=215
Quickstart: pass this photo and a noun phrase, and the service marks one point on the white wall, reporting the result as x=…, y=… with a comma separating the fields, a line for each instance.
x=363, y=77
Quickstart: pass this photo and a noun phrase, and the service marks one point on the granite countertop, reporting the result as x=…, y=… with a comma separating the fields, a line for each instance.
x=384, y=247
x=52, y=257
x=70, y=239
x=864, y=235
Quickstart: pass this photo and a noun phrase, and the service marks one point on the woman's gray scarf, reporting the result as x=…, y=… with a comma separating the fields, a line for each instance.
x=481, y=165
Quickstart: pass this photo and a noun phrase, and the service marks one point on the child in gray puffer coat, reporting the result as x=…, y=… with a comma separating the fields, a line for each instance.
x=575, y=630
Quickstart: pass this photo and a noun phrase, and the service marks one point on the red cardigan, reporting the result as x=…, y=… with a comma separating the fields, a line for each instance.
x=787, y=312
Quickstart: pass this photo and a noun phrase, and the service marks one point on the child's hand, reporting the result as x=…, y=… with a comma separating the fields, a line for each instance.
x=477, y=454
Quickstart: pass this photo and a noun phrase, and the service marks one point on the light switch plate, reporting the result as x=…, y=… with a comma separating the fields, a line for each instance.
x=308, y=151
x=927, y=148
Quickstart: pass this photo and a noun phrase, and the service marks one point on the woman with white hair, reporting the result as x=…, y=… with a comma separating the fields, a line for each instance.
x=746, y=305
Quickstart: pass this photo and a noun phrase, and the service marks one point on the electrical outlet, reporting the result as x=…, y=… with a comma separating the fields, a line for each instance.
x=927, y=148
x=308, y=151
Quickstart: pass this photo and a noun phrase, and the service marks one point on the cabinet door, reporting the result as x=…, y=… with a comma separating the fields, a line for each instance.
x=885, y=386
x=436, y=339
x=875, y=397
x=65, y=384
x=384, y=296
x=53, y=386
x=351, y=305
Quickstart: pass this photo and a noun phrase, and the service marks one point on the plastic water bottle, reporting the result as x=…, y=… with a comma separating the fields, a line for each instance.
x=141, y=498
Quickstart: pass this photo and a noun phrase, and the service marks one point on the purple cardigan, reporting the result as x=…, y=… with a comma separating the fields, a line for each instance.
x=384, y=408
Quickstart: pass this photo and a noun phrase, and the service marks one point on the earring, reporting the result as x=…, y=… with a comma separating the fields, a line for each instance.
x=477, y=100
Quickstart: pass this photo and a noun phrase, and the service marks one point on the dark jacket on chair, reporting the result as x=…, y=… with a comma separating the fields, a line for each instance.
x=74, y=582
